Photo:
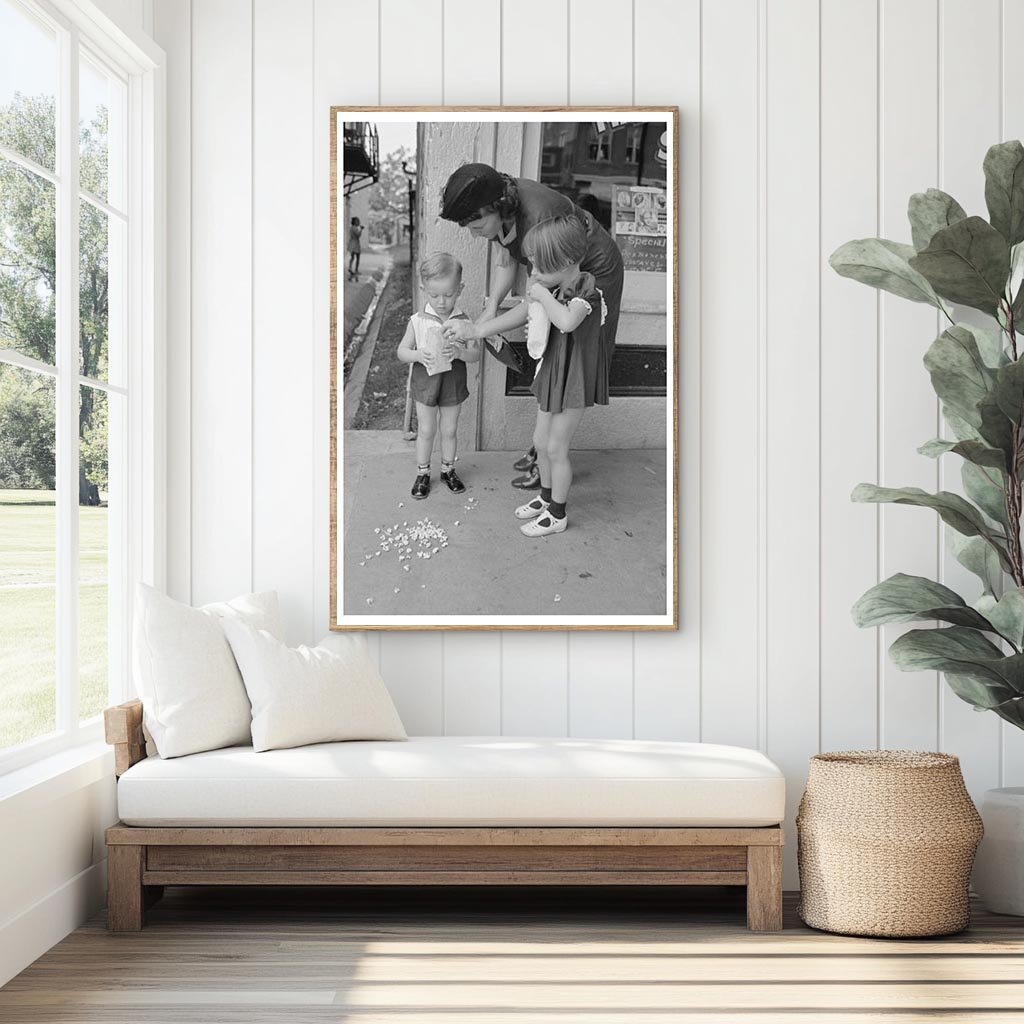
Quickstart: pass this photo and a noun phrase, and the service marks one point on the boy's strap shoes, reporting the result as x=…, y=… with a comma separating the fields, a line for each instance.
x=451, y=478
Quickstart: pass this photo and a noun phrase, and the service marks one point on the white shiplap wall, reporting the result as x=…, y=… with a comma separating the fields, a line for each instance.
x=803, y=123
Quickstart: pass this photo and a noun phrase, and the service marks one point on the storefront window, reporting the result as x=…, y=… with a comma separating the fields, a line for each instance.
x=618, y=173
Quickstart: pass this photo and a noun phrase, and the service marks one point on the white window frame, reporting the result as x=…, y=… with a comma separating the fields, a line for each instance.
x=141, y=64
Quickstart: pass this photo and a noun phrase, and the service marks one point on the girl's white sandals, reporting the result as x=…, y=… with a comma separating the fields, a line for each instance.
x=545, y=524
x=532, y=509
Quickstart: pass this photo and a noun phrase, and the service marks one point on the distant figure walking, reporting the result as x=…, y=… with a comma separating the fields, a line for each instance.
x=354, y=249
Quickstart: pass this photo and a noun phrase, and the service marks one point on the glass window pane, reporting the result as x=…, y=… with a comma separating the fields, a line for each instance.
x=101, y=283
x=102, y=106
x=28, y=85
x=28, y=563
x=94, y=546
x=28, y=263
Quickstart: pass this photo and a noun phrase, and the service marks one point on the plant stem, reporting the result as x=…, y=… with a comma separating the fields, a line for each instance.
x=1012, y=495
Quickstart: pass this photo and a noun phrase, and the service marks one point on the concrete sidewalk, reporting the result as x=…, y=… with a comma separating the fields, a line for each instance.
x=611, y=560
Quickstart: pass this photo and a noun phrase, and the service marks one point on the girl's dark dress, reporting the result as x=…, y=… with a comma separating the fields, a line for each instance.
x=574, y=371
x=602, y=260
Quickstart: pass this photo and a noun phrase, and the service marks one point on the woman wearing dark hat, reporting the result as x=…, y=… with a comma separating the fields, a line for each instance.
x=502, y=209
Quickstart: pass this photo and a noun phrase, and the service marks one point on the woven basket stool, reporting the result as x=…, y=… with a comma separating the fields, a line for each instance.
x=885, y=843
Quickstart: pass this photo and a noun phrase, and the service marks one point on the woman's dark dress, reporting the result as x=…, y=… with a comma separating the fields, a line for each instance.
x=570, y=374
x=602, y=261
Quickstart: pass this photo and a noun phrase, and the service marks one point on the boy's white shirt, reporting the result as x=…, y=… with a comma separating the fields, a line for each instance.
x=422, y=324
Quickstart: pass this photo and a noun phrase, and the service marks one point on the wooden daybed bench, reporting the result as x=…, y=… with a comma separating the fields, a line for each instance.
x=444, y=811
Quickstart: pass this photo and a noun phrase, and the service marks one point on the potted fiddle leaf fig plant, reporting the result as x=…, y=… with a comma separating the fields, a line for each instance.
x=956, y=260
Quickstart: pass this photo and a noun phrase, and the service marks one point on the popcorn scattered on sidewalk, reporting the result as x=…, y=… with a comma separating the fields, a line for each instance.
x=424, y=539
x=558, y=597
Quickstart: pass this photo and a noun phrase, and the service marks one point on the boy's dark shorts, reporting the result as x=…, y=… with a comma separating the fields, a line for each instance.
x=448, y=388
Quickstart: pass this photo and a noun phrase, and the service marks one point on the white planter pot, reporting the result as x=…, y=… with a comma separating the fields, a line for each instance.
x=999, y=866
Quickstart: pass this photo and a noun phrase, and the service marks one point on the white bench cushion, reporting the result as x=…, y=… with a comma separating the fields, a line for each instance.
x=458, y=780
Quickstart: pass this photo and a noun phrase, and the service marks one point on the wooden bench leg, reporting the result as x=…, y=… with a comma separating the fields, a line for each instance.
x=125, y=897
x=764, y=888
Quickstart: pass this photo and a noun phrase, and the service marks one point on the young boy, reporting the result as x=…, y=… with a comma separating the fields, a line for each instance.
x=439, y=369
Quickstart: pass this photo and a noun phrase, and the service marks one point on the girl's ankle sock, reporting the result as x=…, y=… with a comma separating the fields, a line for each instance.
x=545, y=493
x=447, y=467
x=557, y=509
x=423, y=469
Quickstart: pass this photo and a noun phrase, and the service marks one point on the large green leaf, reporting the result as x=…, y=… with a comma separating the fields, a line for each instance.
x=1004, y=189
x=932, y=211
x=958, y=372
x=996, y=427
x=983, y=694
x=954, y=510
x=903, y=598
x=990, y=345
x=962, y=430
x=883, y=264
x=973, y=451
x=1006, y=614
x=964, y=652
x=985, y=487
x=1009, y=390
x=967, y=263
x=976, y=555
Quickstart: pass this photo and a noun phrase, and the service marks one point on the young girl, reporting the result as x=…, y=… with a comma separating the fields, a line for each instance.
x=573, y=373
x=439, y=392
x=354, y=248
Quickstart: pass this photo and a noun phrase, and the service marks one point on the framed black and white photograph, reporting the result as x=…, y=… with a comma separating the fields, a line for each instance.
x=504, y=368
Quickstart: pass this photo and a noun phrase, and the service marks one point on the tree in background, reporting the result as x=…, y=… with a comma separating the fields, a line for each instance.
x=389, y=197
x=28, y=286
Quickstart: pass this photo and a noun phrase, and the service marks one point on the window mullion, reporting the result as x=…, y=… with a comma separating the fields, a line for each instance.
x=67, y=386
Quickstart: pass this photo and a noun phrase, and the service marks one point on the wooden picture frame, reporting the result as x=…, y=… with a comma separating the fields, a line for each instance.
x=650, y=598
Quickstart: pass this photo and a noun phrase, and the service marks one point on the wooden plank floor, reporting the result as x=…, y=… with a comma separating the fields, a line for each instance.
x=220, y=956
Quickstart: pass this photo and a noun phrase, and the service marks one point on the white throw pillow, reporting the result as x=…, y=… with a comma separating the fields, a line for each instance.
x=192, y=693
x=309, y=694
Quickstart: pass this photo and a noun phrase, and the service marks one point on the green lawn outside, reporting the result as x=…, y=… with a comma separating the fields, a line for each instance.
x=28, y=616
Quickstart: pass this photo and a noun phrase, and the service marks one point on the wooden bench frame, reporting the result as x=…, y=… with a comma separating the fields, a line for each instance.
x=142, y=860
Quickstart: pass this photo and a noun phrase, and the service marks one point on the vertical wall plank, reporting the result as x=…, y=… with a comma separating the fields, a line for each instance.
x=601, y=685
x=599, y=73
x=792, y=386
x=351, y=81
x=729, y=385
x=413, y=672
x=472, y=52
x=221, y=376
x=849, y=373
x=283, y=304
x=535, y=673
x=969, y=124
x=909, y=415
x=472, y=74
x=407, y=31
x=173, y=31
x=472, y=684
x=1012, y=127
x=666, y=669
x=534, y=58
x=535, y=680
x=600, y=666
x=411, y=55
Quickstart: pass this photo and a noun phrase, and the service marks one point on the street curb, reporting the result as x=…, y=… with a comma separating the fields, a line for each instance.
x=353, y=394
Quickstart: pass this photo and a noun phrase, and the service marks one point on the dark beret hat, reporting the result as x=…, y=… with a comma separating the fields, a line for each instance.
x=469, y=188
